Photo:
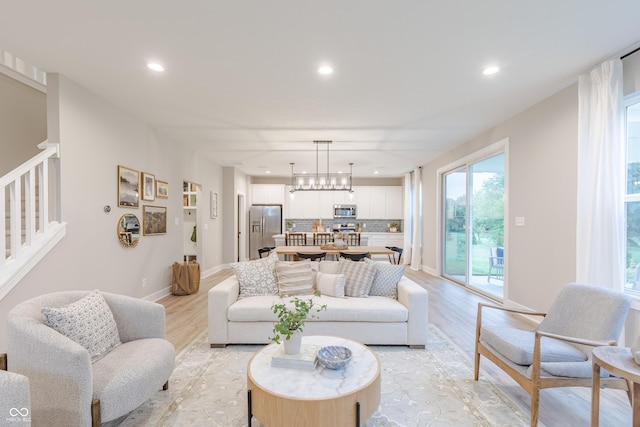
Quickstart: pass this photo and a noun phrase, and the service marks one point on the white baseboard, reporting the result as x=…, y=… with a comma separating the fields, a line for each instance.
x=158, y=295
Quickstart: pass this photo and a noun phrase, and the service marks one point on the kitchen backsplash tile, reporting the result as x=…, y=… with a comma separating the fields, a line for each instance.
x=372, y=225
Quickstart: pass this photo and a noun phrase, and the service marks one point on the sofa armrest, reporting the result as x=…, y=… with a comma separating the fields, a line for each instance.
x=136, y=318
x=59, y=371
x=416, y=299
x=221, y=297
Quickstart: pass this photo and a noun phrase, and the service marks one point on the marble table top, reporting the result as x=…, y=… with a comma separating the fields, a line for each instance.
x=320, y=383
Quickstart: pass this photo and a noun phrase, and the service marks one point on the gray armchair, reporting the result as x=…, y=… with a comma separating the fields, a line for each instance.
x=15, y=404
x=558, y=352
x=66, y=388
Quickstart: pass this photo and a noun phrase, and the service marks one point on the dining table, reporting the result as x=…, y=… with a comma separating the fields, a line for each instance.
x=292, y=250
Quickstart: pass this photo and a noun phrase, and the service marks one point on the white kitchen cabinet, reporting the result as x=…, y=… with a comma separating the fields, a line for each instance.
x=373, y=202
x=378, y=203
x=268, y=194
x=361, y=198
x=394, y=205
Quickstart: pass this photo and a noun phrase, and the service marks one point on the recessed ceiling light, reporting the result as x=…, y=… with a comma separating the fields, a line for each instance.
x=376, y=172
x=325, y=70
x=267, y=171
x=155, y=67
x=490, y=70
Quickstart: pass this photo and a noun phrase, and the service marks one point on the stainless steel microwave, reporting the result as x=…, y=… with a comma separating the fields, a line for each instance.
x=344, y=211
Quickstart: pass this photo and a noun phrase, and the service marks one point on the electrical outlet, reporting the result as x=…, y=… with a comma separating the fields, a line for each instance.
x=144, y=283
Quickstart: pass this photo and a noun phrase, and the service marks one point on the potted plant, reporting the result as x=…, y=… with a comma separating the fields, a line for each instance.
x=393, y=227
x=290, y=225
x=291, y=321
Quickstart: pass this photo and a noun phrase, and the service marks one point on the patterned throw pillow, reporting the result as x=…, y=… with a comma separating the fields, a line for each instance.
x=385, y=282
x=88, y=321
x=294, y=277
x=359, y=277
x=331, y=284
x=257, y=277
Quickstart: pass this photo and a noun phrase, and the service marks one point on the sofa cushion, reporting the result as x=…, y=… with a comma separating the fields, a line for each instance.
x=358, y=276
x=257, y=277
x=517, y=346
x=385, y=281
x=295, y=277
x=126, y=377
x=87, y=321
x=372, y=309
x=330, y=284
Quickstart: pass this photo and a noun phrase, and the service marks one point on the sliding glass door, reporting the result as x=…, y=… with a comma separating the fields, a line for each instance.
x=473, y=234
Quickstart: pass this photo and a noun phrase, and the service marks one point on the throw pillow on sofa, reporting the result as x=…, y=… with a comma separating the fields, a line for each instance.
x=385, y=282
x=330, y=284
x=88, y=321
x=358, y=277
x=257, y=277
x=294, y=277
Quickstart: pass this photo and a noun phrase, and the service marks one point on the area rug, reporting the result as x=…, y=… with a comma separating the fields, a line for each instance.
x=431, y=387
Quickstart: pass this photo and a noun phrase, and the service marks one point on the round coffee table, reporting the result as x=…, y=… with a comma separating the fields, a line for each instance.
x=283, y=397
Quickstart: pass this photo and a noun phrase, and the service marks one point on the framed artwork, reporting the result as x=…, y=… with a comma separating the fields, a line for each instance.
x=162, y=189
x=154, y=220
x=148, y=186
x=214, y=204
x=128, y=187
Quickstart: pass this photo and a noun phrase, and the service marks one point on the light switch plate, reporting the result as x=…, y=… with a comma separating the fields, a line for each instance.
x=519, y=221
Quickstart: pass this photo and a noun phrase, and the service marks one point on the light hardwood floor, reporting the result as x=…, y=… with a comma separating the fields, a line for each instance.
x=453, y=310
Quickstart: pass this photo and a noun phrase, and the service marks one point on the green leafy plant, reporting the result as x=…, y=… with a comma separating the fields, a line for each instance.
x=393, y=225
x=292, y=320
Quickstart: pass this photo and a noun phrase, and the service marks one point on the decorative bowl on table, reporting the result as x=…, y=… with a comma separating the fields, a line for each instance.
x=334, y=356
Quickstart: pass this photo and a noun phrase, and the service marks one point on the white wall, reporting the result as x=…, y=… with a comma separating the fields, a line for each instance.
x=95, y=138
x=23, y=122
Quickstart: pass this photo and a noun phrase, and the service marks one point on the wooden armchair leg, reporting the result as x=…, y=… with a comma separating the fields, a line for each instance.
x=3, y=362
x=166, y=386
x=476, y=366
x=96, y=418
x=535, y=403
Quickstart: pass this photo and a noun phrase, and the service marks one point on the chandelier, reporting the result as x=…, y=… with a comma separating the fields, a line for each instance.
x=337, y=181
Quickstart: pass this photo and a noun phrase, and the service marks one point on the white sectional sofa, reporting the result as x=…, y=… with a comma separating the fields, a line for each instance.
x=375, y=320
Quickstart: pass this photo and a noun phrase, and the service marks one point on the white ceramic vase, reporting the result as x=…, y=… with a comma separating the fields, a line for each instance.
x=292, y=345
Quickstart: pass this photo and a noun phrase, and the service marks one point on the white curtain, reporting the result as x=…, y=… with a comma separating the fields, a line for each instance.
x=408, y=223
x=600, y=234
x=412, y=253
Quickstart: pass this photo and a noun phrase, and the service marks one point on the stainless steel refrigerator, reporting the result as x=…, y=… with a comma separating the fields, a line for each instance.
x=264, y=222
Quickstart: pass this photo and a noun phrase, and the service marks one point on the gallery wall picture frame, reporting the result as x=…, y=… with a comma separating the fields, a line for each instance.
x=162, y=189
x=214, y=204
x=128, y=187
x=148, y=186
x=154, y=220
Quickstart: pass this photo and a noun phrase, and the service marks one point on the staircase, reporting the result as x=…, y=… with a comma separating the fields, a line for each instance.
x=32, y=225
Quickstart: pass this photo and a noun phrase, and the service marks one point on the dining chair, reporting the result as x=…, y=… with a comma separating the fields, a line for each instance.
x=355, y=257
x=392, y=257
x=351, y=239
x=317, y=256
x=295, y=239
x=322, y=239
x=265, y=250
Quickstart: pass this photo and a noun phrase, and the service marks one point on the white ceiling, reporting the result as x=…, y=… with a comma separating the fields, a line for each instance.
x=240, y=84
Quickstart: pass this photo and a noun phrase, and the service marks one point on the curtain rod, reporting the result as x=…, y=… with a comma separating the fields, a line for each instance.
x=630, y=53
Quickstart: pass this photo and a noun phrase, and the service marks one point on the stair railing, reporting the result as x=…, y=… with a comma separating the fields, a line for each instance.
x=28, y=224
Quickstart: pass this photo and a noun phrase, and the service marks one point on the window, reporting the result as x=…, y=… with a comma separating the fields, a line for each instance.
x=632, y=194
